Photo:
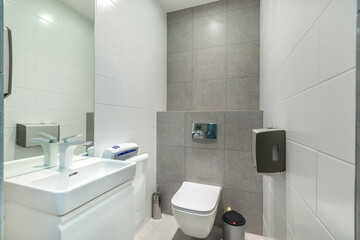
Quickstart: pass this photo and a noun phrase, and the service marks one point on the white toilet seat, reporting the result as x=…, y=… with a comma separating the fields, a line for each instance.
x=194, y=207
x=195, y=197
x=192, y=211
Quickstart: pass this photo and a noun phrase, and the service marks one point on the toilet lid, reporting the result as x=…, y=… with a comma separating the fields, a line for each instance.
x=196, y=197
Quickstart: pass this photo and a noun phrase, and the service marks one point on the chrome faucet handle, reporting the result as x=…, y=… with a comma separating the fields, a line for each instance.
x=76, y=143
x=66, y=139
x=50, y=137
x=67, y=151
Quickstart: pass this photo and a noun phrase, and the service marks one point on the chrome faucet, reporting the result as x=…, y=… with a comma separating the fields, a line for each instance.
x=49, y=145
x=67, y=149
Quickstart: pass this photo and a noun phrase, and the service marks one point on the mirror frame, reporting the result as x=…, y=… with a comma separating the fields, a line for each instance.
x=357, y=131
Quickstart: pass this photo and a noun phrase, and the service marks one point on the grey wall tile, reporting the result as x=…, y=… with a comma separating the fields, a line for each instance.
x=180, y=36
x=204, y=117
x=210, y=31
x=179, y=16
x=242, y=94
x=210, y=9
x=238, y=126
x=237, y=4
x=179, y=96
x=168, y=188
x=204, y=166
x=170, y=162
x=240, y=174
x=247, y=204
x=209, y=64
x=179, y=67
x=209, y=95
x=170, y=128
x=243, y=60
x=244, y=25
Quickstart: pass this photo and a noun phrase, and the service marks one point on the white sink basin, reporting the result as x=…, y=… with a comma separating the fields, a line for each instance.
x=58, y=192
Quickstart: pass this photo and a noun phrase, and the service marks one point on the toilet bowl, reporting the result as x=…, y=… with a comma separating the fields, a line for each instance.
x=194, y=207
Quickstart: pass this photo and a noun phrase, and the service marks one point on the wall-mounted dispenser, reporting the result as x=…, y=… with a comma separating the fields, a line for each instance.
x=269, y=150
x=204, y=130
x=25, y=132
x=121, y=151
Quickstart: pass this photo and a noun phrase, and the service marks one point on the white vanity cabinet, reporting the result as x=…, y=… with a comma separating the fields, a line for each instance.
x=110, y=216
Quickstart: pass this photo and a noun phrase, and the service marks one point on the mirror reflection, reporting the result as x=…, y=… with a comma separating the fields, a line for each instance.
x=53, y=77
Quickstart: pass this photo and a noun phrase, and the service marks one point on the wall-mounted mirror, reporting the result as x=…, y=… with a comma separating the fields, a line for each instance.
x=53, y=73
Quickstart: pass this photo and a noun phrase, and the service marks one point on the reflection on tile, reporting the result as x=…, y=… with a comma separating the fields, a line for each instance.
x=204, y=166
x=243, y=60
x=210, y=63
x=248, y=30
x=243, y=94
x=179, y=96
x=209, y=95
x=210, y=31
x=170, y=128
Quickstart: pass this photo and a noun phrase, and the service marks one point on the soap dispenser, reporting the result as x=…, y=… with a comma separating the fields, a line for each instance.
x=50, y=147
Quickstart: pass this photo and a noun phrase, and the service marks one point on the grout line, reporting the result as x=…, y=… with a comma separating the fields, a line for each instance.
x=320, y=151
x=316, y=184
x=226, y=59
x=298, y=43
x=309, y=209
x=192, y=63
x=311, y=87
x=216, y=46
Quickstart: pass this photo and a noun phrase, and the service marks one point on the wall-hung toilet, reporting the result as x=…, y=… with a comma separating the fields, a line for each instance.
x=194, y=207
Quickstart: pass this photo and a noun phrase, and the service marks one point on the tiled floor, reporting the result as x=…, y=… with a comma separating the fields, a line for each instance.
x=167, y=229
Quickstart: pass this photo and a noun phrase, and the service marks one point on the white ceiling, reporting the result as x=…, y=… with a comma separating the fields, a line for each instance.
x=84, y=7
x=174, y=5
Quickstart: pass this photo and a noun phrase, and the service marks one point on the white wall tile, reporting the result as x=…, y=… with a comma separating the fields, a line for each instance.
x=24, y=58
x=21, y=97
x=337, y=35
x=114, y=118
x=307, y=87
x=322, y=117
x=300, y=71
x=335, y=191
x=18, y=19
x=47, y=30
x=302, y=222
x=130, y=84
x=301, y=172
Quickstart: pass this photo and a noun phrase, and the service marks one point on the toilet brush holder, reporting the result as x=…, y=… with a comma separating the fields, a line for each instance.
x=156, y=205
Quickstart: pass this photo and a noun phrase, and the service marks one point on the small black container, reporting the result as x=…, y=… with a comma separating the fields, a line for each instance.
x=233, y=226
